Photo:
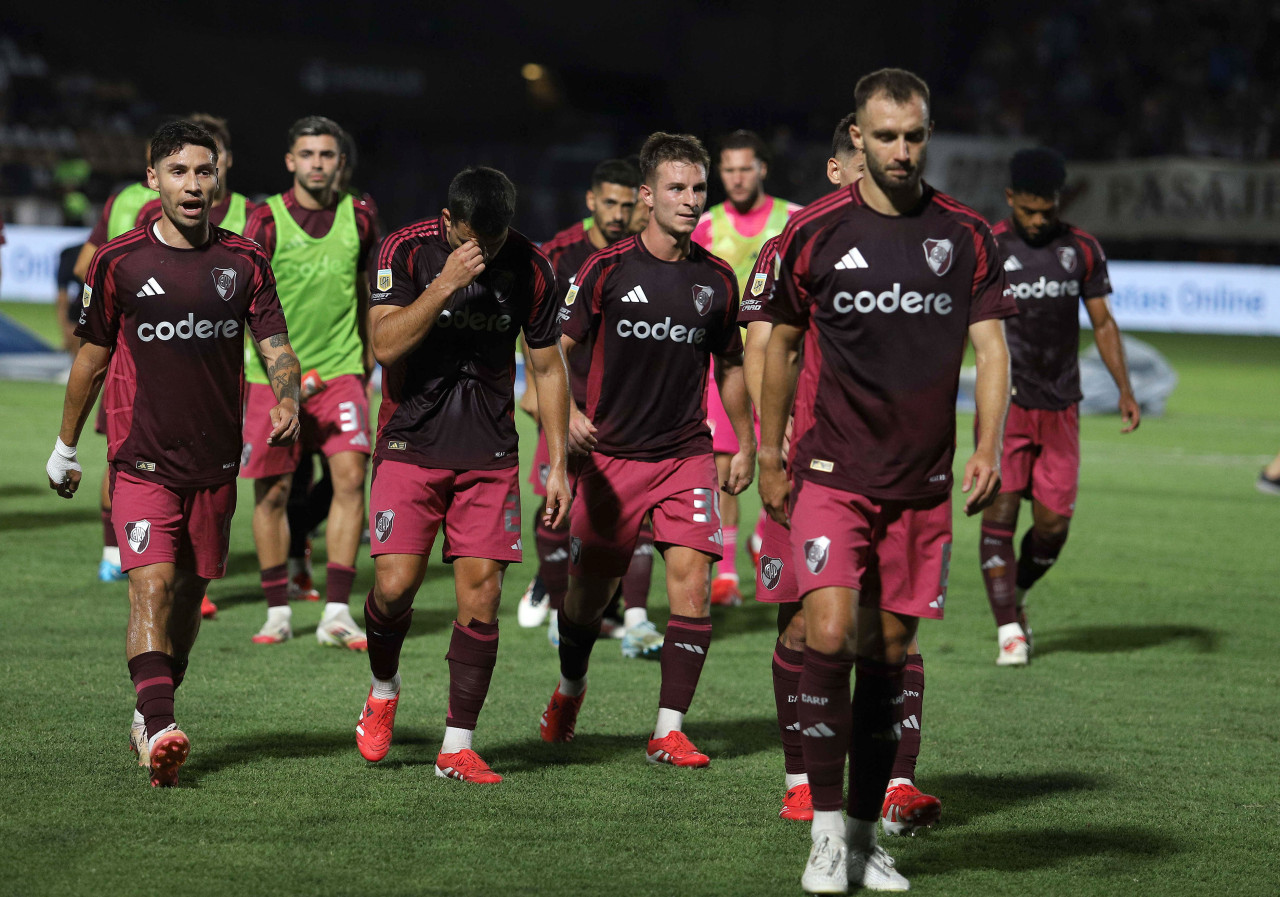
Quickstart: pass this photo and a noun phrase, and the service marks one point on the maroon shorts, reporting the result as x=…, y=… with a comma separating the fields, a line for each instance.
x=334, y=420
x=897, y=554
x=158, y=524
x=775, y=573
x=541, y=465
x=1041, y=457
x=613, y=495
x=480, y=510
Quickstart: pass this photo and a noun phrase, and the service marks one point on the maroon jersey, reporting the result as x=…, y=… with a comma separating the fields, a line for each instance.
x=1049, y=282
x=887, y=302
x=450, y=403
x=654, y=327
x=153, y=210
x=316, y=222
x=175, y=320
x=567, y=251
x=761, y=286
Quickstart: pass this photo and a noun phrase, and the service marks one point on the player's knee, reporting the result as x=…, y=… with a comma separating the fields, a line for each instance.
x=272, y=495
x=793, y=633
x=150, y=590
x=1054, y=527
x=393, y=590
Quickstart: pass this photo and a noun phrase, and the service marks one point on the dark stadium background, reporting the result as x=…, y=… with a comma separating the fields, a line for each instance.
x=427, y=88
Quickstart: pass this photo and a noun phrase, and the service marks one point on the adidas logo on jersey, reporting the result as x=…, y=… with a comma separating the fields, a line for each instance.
x=852, y=259
x=1012, y=264
x=151, y=288
x=636, y=294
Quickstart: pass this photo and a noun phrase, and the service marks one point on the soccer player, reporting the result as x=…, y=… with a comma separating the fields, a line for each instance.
x=319, y=241
x=1051, y=266
x=656, y=307
x=611, y=200
x=173, y=298
x=883, y=282
x=735, y=230
x=452, y=294
x=230, y=210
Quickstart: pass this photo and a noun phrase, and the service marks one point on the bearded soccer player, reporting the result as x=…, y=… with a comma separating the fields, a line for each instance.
x=1051, y=266
x=656, y=307
x=883, y=282
x=452, y=294
x=611, y=200
x=319, y=240
x=735, y=230
x=172, y=301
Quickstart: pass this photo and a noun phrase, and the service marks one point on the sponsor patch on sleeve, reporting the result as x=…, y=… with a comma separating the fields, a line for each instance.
x=824, y=466
x=384, y=279
x=87, y=296
x=571, y=296
x=757, y=284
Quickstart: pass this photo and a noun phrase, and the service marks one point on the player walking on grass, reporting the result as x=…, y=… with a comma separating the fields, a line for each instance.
x=735, y=230
x=611, y=200
x=655, y=307
x=319, y=240
x=883, y=282
x=452, y=294
x=169, y=302
x=1051, y=266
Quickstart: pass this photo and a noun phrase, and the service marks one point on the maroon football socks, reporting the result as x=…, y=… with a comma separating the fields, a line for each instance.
x=999, y=571
x=339, y=579
x=275, y=585
x=1038, y=553
x=910, y=715
x=576, y=642
x=553, y=561
x=386, y=636
x=787, y=664
x=152, y=674
x=825, y=724
x=874, y=744
x=684, y=651
x=473, y=653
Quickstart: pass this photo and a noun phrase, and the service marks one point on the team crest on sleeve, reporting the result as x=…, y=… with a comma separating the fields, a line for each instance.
x=816, y=552
x=939, y=254
x=571, y=296
x=384, y=279
x=1067, y=256
x=382, y=524
x=86, y=296
x=702, y=297
x=138, y=534
x=770, y=571
x=224, y=279
x=757, y=284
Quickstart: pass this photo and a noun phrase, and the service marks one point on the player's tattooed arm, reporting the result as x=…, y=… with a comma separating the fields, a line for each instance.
x=285, y=374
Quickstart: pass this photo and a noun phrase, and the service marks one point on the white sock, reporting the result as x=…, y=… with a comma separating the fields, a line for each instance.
x=385, y=689
x=858, y=833
x=111, y=553
x=571, y=688
x=1008, y=631
x=151, y=742
x=283, y=612
x=333, y=609
x=456, y=739
x=668, y=721
x=893, y=782
x=827, y=822
x=797, y=778
x=634, y=616
x=138, y=718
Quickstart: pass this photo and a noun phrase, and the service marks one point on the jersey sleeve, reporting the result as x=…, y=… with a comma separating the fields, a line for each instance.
x=261, y=229
x=542, y=329
x=98, y=235
x=1096, y=281
x=727, y=339
x=393, y=283
x=789, y=303
x=580, y=311
x=760, y=286
x=367, y=225
x=991, y=296
x=266, y=317
x=100, y=313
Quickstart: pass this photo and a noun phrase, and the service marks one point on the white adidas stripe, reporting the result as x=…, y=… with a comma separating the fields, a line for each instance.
x=851, y=260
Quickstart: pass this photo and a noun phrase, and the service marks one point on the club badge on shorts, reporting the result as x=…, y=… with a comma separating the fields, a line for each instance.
x=770, y=571
x=382, y=524
x=939, y=254
x=224, y=280
x=816, y=552
x=702, y=297
x=138, y=534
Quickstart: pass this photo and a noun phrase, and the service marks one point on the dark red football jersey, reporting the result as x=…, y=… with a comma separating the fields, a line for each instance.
x=654, y=326
x=760, y=287
x=1049, y=282
x=887, y=302
x=450, y=402
x=175, y=320
x=316, y=222
x=567, y=251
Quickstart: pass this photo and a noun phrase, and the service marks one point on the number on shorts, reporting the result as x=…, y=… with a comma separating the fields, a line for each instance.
x=704, y=501
x=349, y=417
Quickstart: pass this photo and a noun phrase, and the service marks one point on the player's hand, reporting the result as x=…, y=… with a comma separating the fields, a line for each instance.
x=742, y=470
x=63, y=469
x=582, y=432
x=555, y=514
x=463, y=266
x=529, y=405
x=285, y=426
x=775, y=490
x=982, y=476
x=1130, y=412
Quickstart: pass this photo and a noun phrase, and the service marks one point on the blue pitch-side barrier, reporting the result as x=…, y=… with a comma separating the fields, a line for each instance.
x=16, y=339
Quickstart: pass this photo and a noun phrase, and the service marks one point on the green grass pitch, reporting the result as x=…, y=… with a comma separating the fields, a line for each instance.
x=1136, y=755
